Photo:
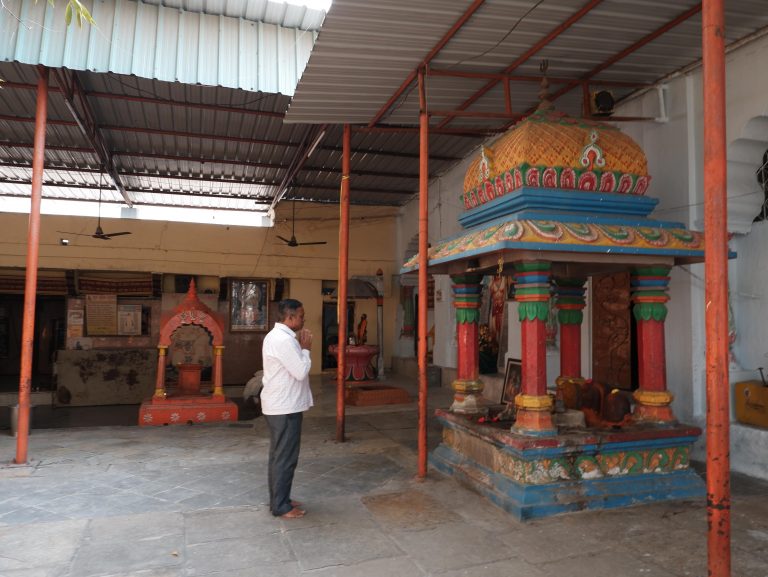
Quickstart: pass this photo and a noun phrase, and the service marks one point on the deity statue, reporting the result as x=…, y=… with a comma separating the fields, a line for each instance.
x=362, y=329
x=498, y=293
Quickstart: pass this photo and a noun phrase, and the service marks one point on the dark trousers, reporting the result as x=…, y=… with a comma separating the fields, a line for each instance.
x=284, y=444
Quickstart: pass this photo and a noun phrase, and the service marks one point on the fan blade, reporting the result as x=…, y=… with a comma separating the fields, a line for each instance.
x=285, y=240
x=316, y=242
x=73, y=233
x=111, y=234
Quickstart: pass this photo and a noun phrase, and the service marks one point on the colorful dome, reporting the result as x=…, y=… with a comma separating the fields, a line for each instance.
x=552, y=150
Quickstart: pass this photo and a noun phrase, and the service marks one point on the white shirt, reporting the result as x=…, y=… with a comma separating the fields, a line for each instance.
x=286, y=373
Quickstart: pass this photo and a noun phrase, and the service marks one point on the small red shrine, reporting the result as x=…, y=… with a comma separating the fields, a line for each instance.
x=184, y=402
x=555, y=201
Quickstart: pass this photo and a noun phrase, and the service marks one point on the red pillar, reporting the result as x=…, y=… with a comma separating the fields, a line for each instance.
x=423, y=262
x=341, y=311
x=30, y=285
x=468, y=388
x=570, y=305
x=649, y=293
x=534, y=405
x=716, y=290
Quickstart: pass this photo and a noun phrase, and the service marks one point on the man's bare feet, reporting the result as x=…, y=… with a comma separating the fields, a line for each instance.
x=294, y=513
x=295, y=503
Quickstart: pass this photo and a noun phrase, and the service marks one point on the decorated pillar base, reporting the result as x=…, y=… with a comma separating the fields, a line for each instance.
x=534, y=416
x=653, y=407
x=468, y=398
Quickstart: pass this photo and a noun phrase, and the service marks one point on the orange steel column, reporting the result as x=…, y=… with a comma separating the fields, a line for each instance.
x=341, y=312
x=33, y=251
x=423, y=260
x=716, y=291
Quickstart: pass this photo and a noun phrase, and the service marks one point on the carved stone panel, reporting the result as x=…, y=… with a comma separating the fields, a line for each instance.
x=612, y=332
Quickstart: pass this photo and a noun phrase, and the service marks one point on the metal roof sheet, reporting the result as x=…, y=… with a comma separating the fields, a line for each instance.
x=178, y=142
x=192, y=42
x=390, y=40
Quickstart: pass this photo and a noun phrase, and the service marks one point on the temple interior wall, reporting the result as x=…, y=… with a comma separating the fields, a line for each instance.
x=229, y=251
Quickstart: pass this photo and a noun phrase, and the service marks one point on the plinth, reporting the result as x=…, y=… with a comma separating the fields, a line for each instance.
x=570, y=471
x=187, y=409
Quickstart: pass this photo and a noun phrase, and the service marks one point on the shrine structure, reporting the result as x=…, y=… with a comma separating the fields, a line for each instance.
x=183, y=402
x=555, y=201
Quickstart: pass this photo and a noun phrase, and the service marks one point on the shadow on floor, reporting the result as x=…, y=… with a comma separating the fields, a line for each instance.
x=58, y=417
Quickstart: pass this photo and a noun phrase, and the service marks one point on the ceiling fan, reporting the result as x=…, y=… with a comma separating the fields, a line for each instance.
x=292, y=241
x=99, y=233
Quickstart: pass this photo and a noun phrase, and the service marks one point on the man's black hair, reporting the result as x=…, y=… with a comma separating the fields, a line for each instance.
x=286, y=308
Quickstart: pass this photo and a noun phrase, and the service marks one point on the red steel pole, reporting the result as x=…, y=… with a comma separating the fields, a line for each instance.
x=341, y=313
x=33, y=252
x=423, y=260
x=716, y=291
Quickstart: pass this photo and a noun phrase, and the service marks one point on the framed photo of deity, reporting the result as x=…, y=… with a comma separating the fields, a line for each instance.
x=513, y=379
x=249, y=305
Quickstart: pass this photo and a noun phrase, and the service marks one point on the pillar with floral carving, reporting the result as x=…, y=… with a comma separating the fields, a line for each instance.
x=649, y=295
x=468, y=388
x=534, y=405
x=162, y=357
x=570, y=305
x=218, y=371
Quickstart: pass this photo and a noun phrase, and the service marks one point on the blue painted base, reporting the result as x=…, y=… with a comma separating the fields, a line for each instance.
x=532, y=478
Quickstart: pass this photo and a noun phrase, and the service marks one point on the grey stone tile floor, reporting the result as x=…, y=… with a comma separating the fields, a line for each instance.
x=190, y=501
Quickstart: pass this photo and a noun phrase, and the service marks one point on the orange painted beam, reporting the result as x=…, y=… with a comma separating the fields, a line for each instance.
x=679, y=19
x=554, y=33
x=427, y=59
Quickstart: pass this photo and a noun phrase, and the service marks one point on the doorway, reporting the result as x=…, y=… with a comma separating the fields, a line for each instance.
x=49, y=337
x=331, y=330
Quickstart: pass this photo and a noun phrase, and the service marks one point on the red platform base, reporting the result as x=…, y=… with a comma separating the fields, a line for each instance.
x=183, y=410
x=370, y=395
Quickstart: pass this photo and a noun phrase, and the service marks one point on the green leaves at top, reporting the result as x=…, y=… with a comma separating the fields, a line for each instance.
x=75, y=8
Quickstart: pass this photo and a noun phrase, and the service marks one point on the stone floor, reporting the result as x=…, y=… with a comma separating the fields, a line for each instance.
x=190, y=501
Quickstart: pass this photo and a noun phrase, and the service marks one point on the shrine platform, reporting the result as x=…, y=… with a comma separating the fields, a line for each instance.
x=575, y=470
x=187, y=409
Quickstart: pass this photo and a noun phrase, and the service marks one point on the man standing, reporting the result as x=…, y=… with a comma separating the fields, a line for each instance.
x=284, y=398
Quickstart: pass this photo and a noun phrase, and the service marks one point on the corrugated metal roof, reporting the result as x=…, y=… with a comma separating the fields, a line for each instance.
x=191, y=42
x=179, y=143
x=391, y=38
x=287, y=15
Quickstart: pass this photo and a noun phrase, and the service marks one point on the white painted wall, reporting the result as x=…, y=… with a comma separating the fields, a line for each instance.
x=675, y=155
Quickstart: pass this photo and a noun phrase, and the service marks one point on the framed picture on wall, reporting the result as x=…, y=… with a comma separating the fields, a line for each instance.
x=249, y=305
x=513, y=378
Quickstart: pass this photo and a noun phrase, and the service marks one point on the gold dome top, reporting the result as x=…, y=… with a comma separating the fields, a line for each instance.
x=548, y=144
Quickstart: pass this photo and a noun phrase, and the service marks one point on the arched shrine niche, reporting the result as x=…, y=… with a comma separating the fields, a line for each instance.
x=183, y=400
